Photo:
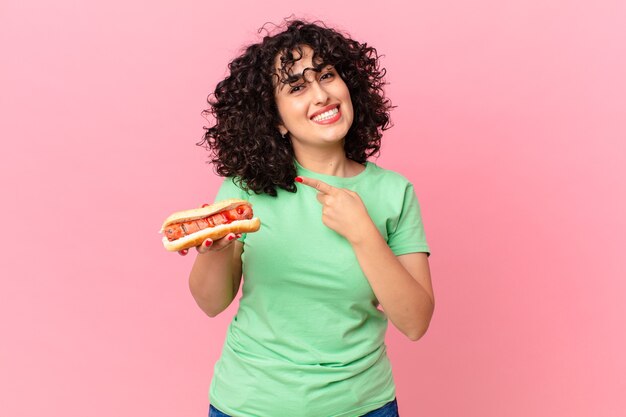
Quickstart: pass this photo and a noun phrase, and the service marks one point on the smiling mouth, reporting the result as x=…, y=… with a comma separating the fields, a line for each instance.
x=328, y=116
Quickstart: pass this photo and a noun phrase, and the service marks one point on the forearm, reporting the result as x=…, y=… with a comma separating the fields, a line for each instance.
x=405, y=301
x=211, y=280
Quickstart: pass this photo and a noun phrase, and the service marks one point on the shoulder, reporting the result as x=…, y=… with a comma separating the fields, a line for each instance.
x=384, y=191
x=387, y=177
x=231, y=187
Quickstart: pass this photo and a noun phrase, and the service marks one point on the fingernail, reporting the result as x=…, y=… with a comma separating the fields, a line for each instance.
x=183, y=252
x=238, y=235
x=208, y=243
x=299, y=179
x=205, y=205
x=231, y=237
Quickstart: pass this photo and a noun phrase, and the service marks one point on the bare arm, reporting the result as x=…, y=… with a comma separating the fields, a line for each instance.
x=402, y=284
x=216, y=275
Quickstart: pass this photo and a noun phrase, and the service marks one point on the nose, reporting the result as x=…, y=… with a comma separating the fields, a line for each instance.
x=320, y=95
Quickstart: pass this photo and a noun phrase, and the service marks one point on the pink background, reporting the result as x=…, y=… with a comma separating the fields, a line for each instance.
x=510, y=122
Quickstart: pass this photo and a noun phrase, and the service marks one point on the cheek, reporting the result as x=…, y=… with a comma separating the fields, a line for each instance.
x=348, y=108
x=290, y=112
x=349, y=102
x=344, y=93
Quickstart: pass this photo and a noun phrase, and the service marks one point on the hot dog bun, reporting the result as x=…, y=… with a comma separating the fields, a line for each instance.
x=216, y=232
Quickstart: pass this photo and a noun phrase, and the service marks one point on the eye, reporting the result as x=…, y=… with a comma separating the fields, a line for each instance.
x=327, y=75
x=296, y=88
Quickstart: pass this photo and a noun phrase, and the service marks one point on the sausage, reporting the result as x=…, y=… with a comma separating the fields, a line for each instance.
x=178, y=230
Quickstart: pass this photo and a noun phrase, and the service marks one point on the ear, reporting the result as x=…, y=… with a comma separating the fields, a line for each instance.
x=282, y=129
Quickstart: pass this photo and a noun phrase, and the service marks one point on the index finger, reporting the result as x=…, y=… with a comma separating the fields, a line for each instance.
x=320, y=186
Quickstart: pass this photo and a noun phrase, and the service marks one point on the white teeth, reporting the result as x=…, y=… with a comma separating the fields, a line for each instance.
x=326, y=115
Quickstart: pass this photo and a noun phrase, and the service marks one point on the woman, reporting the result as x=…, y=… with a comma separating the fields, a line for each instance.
x=341, y=238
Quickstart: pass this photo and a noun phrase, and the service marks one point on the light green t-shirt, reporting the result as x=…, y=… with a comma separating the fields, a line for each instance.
x=308, y=338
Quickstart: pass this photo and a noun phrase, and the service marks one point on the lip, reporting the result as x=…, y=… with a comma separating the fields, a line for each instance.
x=323, y=110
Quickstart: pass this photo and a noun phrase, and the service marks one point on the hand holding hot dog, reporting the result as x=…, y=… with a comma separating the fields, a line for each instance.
x=342, y=210
x=211, y=245
x=220, y=222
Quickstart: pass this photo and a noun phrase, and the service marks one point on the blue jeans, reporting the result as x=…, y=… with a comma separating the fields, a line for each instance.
x=388, y=410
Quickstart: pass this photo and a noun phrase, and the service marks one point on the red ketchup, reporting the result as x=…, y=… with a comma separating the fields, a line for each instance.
x=178, y=230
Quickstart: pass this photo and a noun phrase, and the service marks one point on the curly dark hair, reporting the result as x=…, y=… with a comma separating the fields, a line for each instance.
x=245, y=142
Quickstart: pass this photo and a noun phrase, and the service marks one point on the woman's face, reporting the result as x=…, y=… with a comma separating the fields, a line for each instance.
x=316, y=109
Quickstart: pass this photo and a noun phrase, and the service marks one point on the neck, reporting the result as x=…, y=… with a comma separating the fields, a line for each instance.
x=329, y=162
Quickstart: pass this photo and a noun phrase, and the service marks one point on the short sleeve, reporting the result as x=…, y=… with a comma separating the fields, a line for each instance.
x=229, y=189
x=407, y=234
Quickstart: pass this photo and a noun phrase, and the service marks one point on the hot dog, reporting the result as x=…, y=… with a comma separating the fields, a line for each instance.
x=188, y=228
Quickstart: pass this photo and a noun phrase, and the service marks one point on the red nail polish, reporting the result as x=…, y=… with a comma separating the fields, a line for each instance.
x=231, y=237
x=208, y=243
x=298, y=179
x=205, y=205
x=183, y=252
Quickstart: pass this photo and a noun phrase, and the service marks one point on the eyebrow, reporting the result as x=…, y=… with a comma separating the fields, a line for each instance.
x=293, y=78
